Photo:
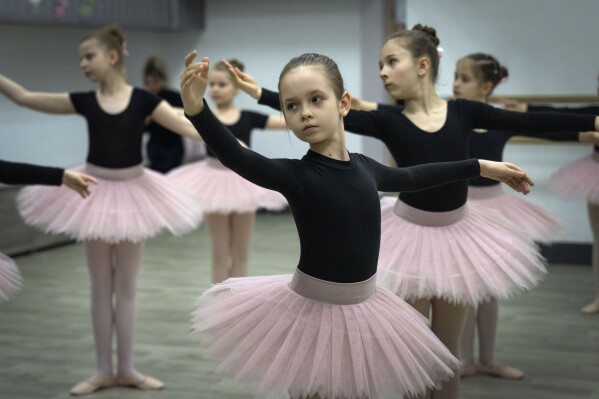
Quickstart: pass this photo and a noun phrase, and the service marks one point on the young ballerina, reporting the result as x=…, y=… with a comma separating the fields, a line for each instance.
x=130, y=205
x=437, y=253
x=229, y=201
x=165, y=148
x=327, y=331
x=22, y=173
x=476, y=76
x=578, y=179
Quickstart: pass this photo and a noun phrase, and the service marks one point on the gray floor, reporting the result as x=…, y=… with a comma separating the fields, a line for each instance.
x=46, y=344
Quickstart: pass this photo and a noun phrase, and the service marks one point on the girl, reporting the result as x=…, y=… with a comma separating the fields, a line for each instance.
x=436, y=252
x=21, y=173
x=326, y=331
x=165, y=149
x=229, y=201
x=132, y=205
x=476, y=77
x=579, y=179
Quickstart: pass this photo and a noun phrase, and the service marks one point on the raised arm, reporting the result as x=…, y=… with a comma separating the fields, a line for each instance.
x=22, y=173
x=269, y=173
x=52, y=103
x=425, y=176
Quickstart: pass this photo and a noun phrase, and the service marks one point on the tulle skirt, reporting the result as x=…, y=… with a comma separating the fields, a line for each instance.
x=299, y=335
x=10, y=278
x=464, y=256
x=220, y=190
x=538, y=224
x=578, y=179
x=130, y=204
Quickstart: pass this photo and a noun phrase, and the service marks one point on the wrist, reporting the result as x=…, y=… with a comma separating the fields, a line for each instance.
x=257, y=93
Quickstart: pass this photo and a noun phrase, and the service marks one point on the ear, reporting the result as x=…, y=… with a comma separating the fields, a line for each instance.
x=486, y=89
x=344, y=104
x=423, y=65
x=113, y=57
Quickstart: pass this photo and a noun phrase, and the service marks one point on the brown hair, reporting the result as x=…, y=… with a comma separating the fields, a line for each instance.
x=313, y=59
x=487, y=68
x=220, y=66
x=112, y=38
x=421, y=41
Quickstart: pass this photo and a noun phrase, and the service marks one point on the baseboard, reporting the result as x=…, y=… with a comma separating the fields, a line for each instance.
x=568, y=253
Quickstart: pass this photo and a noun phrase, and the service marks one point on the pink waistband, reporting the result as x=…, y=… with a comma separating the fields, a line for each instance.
x=332, y=292
x=426, y=218
x=114, y=174
x=485, y=192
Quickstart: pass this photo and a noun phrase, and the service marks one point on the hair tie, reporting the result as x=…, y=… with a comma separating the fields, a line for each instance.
x=124, y=49
x=440, y=52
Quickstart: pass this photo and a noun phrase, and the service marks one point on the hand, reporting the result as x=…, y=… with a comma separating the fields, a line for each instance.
x=507, y=173
x=589, y=137
x=513, y=105
x=79, y=182
x=193, y=81
x=362, y=105
x=245, y=81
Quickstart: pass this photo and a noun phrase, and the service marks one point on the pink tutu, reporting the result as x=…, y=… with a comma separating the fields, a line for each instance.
x=464, y=256
x=130, y=204
x=10, y=278
x=538, y=224
x=302, y=336
x=578, y=179
x=220, y=190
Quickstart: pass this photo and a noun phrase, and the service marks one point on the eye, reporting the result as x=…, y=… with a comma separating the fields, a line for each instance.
x=317, y=99
x=291, y=107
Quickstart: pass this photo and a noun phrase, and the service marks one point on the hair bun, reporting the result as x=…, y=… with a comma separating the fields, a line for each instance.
x=431, y=33
x=237, y=64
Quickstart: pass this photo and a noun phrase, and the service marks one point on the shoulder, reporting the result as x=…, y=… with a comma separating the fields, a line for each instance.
x=145, y=97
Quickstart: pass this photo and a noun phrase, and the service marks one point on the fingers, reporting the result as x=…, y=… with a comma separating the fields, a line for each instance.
x=189, y=58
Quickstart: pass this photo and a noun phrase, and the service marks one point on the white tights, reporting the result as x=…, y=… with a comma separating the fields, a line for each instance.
x=113, y=270
x=230, y=235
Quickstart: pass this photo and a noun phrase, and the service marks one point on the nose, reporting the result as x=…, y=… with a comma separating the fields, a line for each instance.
x=383, y=73
x=306, y=113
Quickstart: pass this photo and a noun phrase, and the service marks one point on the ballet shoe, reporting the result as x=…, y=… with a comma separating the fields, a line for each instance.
x=467, y=370
x=591, y=308
x=92, y=384
x=500, y=370
x=139, y=381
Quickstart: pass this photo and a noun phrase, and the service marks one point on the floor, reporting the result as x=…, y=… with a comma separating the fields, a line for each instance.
x=46, y=343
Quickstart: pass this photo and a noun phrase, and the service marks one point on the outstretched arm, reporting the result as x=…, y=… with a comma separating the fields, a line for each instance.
x=174, y=120
x=425, y=176
x=258, y=169
x=52, y=103
x=22, y=173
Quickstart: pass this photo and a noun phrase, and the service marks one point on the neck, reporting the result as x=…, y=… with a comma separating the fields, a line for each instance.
x=334, y=148
x=224, y=107
x=426, y=101
x=115, y=83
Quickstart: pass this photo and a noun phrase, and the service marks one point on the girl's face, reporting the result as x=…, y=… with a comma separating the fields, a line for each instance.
x=94, y=60
x=399, y=71
x=221, y=87
x=311, y=108
x=466, y=85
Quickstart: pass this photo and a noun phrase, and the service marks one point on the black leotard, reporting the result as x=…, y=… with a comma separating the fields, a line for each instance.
x=242, y=129
x=115, y=139
x=335, y=204
x=410, y=145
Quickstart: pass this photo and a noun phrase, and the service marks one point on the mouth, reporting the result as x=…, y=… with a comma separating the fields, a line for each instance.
x=307, y=127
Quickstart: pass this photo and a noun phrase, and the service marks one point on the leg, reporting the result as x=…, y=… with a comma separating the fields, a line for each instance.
x=467, y=344
x=128, y=257
x=447, y=324
x=218, y=229
x=242, y=225
x=593, y=307
x=99, y=262
x=487, y=329
x=100, y=265
x=424, y=307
